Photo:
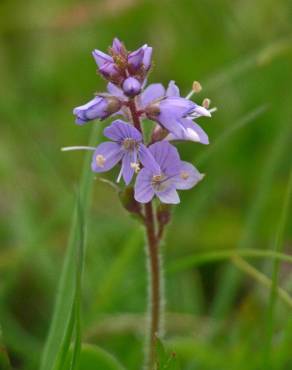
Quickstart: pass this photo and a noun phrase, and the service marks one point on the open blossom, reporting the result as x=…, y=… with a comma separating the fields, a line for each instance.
x=173, y=175
x=173, y=112
x=126, y=146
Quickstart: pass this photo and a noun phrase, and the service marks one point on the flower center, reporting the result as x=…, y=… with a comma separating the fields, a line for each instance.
x=100, y=160
x=159, y=183
x=129, y=144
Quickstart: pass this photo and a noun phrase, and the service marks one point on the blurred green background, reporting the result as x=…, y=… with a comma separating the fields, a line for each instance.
x=220, y=313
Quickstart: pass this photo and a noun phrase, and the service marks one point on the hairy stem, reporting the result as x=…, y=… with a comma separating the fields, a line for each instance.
x=155, y=286
x=153, y=239
x=135, y=115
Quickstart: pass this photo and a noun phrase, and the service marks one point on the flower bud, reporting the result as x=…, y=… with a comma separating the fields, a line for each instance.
x=158, y=134
x=111, y=72
x=135, y=58
x=99, y=107
x=163, y=214
x=131, y=86
x=147, y=59
x=118, y=46
x=128, y=201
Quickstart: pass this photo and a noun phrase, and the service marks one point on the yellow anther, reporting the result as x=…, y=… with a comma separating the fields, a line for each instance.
x=197, y=87
x=206, y=103
x=184, y=175
x=100, y=160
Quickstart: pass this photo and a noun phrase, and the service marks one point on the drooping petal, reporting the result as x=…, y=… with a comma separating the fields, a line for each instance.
x=101, y=58
x=143, y=189
x=167, y=157
x=147, y=159
x=120, y=130
x=172, y=89
x=199, y=111
x=95, y=108
x=188, y=176
x=151, y=93
x=106, y=156
x=127, y=169
x=171, y=123
x=192, y=131
x=169, y=195
x=177, y=106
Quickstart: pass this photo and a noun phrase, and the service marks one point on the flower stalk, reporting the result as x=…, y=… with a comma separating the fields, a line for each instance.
x=154, y=268
x=155, y=286
x=155, y=166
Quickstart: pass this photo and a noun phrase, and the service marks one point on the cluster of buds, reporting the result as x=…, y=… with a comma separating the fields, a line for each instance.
x=155, y=164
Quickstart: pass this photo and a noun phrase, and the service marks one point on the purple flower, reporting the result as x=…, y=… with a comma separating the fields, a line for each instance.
x=120, y=64
x=107, y=65
x=140, y=58
x=131, y=86
x=100, y=107
x=126, y=146
x=173, y=174
x=173, y=112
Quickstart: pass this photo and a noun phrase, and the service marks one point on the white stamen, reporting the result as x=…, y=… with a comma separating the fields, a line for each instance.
x=213, y=110
x=135, y=166
x=120, y=174
x=68, y=148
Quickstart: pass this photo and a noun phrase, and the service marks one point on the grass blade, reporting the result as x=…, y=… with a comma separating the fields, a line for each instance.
x=278, y=247
x=66, y=290
x=231, y=277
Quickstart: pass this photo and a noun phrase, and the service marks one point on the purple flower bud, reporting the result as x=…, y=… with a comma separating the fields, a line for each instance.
x=101, y=58
x=110, y=71
x=147, y=59
x=131, y=86
x=135, y=58
x=117, y=46
x=98, y=108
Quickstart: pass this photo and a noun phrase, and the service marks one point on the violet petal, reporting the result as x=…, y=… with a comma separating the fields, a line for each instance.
x=188, y=176
x=120, y=130
x=106, y=156
x=151, y=93
x=143, y=189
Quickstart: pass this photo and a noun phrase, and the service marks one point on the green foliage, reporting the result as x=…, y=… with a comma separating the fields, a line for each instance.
x=165, y=360
x=94, y=358
x=66, y=317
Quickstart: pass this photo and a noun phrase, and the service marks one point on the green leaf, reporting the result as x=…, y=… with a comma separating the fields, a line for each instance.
x=64, y=316
x=95, y=358
x=165, y=360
